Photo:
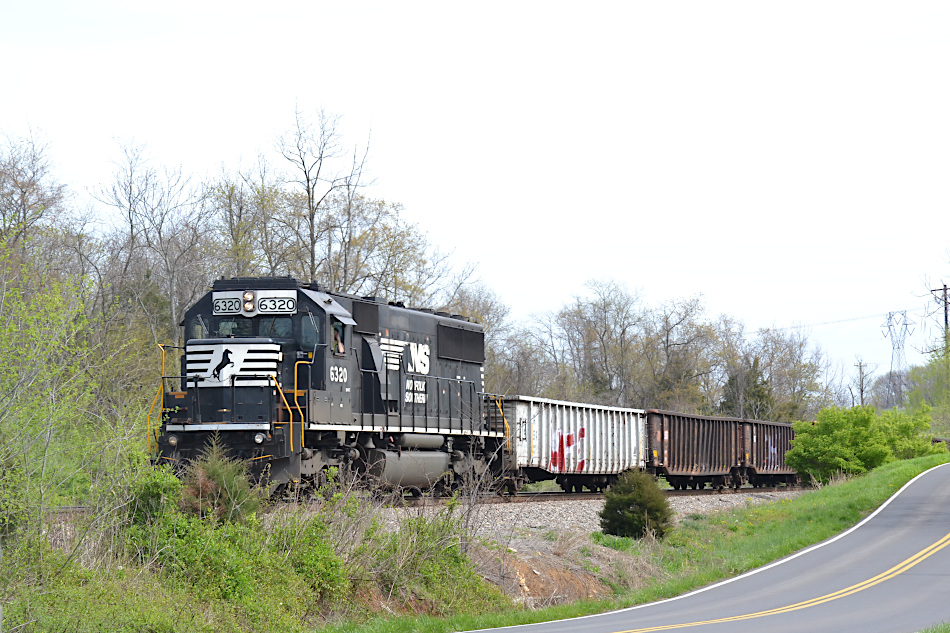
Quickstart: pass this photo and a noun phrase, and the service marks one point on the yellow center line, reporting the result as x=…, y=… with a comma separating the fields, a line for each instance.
x=853, y=589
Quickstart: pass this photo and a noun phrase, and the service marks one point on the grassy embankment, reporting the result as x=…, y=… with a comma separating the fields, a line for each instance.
x=706, y=549
x=336, y=569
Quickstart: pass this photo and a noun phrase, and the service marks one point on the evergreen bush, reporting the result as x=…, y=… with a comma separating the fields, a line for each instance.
x=220, y=487
x=634, y=506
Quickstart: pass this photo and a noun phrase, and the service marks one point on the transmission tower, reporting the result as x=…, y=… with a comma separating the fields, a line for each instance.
x=897, y=330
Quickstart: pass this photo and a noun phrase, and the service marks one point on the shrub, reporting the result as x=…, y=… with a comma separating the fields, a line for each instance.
x=14, y=506
x=634, y=506
x=304, y=544
x=154, y=491
x=907, y=433
x=220, y=487
x=423, y=565
x=854, y=441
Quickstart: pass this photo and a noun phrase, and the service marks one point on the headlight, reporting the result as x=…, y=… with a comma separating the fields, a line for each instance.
x=172, y=440
x=248, y=301
x=259, y=438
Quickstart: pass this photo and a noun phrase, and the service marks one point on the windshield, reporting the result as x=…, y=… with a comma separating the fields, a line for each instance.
x=223, y=327
x=310, y=328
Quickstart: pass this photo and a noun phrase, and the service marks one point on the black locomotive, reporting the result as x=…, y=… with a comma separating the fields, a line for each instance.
x=297, y=379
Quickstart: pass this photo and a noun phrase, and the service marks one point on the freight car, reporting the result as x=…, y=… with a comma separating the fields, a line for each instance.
x=577, y=445
x=691, y=451
x=298, y=380
x=582, y=445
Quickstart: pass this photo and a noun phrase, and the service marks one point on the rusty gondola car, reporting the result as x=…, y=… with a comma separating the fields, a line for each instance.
x=691, y=451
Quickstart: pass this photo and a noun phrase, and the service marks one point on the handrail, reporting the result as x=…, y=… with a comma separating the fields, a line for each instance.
x=148, y=417
x=289, y=410
x=297, y=402
x=505, y=420
x=159, y=397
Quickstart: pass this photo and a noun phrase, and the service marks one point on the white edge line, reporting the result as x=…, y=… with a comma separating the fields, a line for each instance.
x=740, y=577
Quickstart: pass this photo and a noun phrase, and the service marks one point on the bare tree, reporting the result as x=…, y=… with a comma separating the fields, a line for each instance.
x=163, y=216
x=29, y=195
x=314, y=151
x=675, y=356
x=795, y=370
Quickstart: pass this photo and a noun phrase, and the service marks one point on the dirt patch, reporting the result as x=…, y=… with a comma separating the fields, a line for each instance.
x=540, y=570
x=542, y=554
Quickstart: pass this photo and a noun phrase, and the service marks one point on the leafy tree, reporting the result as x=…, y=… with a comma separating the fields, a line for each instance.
x=634, y=506
x=907, y=433
x=931, y=389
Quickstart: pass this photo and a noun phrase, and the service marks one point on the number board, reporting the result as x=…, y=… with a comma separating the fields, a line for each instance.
x=265, y=302
x=227, y=305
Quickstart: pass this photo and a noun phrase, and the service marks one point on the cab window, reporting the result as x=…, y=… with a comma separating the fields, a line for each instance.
x=337, y=337
x=276, y=327
x=311, y=326
x=195, y=328
x=233, y=326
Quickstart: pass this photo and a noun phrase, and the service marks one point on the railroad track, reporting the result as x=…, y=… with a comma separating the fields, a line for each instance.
x=66, y=512
x=535, y=497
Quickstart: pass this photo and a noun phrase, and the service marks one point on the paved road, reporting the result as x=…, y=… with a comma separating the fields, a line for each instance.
x=888, y=574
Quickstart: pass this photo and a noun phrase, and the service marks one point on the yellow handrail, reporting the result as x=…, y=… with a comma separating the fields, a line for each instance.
x=290, y=411
x=297, y=402
x=148, y=418
x=159, y=397
x=505, y=420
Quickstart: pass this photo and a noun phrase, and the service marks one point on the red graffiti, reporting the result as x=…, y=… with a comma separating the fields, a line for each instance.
x=564, y=446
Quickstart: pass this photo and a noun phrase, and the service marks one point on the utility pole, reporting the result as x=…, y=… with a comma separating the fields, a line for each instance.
x=860, y=367
x=946, y=318
x=946, y=333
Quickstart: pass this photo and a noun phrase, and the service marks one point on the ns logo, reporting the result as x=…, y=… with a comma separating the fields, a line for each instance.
x=418, y=358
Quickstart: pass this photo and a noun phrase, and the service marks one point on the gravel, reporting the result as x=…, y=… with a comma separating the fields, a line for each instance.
x=581, y=516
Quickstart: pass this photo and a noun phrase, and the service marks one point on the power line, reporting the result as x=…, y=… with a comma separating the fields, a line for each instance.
x=811, y=325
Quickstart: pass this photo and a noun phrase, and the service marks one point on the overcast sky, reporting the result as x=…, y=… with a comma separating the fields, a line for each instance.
x=786, y=161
